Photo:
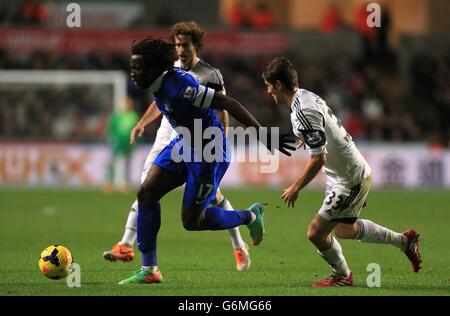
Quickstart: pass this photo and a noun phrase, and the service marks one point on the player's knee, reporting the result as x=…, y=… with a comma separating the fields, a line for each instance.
x=190, y=224
x=146, y=194
x=192, y=218
x=313, y=236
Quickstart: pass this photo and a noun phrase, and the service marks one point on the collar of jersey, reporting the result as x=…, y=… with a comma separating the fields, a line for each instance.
x=178, y=64
x=158, y=82
x=293, y=100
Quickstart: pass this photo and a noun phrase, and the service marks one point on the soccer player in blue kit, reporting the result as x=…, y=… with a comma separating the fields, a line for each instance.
x=186, y=104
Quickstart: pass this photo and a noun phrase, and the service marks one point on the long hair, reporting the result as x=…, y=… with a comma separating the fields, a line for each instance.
x=156, y=52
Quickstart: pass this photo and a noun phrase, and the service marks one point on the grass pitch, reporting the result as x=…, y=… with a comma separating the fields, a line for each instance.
x=201, y=263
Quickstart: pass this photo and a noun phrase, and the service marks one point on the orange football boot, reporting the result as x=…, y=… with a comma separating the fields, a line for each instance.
x=119, y=252
x=242, y=258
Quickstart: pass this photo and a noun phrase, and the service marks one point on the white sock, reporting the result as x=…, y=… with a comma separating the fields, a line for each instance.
x=371, y=232
x=130, y=233
x=335, y=258
x=235, y=234
x=153, y=268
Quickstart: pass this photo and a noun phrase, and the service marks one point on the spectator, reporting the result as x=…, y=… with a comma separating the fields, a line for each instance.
x=383, y=33
x=238, y=16
x=376, y=104
x=32, y=12
x=355, y=124
x=367, y=33
x=331, y=19
x=262, y=18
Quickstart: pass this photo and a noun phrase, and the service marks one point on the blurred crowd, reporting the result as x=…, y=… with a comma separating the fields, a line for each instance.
x=429, y=97
x=374, y=102
x=54, y=113
x=242, y=15
x=25, y=13
x=373, y=99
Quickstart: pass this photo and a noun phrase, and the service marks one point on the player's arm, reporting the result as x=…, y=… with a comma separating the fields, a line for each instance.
x=313, y=137
x=313, y=166
x=216, y=82
x=223, y=102
x=151, y=114
x=236, y=109
x=224, y=118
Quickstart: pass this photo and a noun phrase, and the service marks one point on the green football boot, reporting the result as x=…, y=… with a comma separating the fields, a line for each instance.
x=144, y=276
x=256, y=228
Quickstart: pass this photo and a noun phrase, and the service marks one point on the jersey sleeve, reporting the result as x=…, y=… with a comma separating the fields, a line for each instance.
x=215, y=81
x=191, y=92
x=202, y=96
x=312, y=130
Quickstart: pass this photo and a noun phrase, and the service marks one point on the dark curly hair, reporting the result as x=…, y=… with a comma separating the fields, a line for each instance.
x=155, y=52
x=281, y=69
x=190, y=28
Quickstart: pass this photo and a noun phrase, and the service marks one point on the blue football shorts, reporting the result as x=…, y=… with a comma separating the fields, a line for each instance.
x=202, y=178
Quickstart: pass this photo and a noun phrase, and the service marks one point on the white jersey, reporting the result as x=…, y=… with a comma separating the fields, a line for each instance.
x=207, y=76
x=323, y=133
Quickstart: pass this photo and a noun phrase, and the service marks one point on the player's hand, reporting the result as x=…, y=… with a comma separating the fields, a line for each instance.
x=284, y=141
x=139, y=129
x=300, y=144
x=290, y=195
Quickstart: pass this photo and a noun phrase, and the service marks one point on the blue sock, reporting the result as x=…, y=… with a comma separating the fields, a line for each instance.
x=217, y=218
x=148, y=224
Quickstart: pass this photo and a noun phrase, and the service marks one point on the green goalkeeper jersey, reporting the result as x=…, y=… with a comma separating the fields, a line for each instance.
x=120, y=126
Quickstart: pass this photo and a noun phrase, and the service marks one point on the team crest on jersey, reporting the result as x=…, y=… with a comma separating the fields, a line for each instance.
x=189, y=93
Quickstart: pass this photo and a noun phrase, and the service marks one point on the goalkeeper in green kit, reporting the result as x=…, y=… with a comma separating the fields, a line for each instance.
x=118, y=135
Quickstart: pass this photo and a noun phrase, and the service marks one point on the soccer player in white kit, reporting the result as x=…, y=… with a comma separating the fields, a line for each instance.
x=348, y=177
x=188, y=39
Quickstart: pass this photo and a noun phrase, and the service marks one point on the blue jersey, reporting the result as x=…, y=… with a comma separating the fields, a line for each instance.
x=185, y=103
x=181, y=98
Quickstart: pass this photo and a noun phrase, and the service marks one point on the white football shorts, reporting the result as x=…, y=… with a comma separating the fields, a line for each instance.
x=164, y=135
x=342, y=203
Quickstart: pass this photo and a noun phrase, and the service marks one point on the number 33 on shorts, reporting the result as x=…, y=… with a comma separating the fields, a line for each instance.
x=342, y=203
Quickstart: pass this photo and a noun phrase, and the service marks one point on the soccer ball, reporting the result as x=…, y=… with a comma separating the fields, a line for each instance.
x=56, y=262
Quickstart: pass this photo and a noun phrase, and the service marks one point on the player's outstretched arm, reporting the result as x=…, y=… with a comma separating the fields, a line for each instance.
x=149, y=116
x=315, y=163
x=224, y=119
x=223, y=102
